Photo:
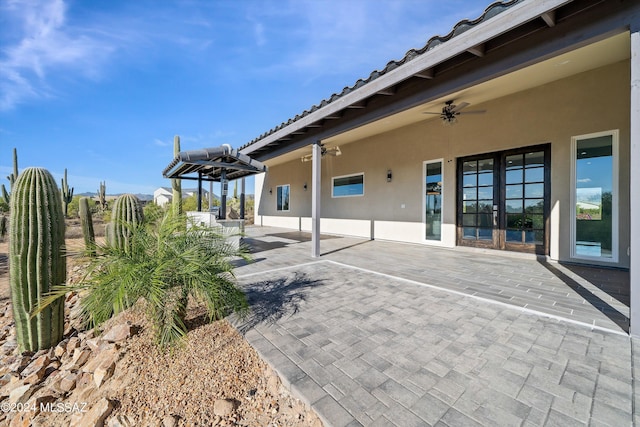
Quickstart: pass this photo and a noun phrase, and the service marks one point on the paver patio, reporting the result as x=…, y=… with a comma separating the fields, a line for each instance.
x=381, y=333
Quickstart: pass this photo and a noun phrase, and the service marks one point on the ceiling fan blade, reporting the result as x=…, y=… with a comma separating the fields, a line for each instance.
x=430, y=112
x=459, y=107
x=474, y=112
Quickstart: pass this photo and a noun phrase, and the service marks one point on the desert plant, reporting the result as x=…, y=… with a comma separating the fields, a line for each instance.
x=36, y=258
x=87, y=226
x=12, y=178
x=66, y=194
x=126, y=215
x=152, y=212
x=166, y=263
x=3, y=227
x=176, y=184
x=102, y=195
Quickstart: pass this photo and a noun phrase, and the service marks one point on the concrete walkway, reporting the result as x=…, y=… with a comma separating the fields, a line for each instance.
x=379, y=333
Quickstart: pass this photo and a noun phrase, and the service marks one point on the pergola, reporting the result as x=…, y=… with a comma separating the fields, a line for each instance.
x=216, y=164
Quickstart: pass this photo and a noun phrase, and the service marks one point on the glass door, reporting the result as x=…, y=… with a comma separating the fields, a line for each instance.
x=503, y=200
x=477, y=198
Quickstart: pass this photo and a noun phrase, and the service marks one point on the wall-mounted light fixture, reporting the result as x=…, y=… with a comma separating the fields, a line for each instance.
x=271, y=191
x=305, y=186
x=389, y=175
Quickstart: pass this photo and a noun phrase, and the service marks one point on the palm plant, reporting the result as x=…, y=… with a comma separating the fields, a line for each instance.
x=165, y=264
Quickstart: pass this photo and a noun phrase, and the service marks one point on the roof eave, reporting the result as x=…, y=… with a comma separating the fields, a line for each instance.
x=511, y=18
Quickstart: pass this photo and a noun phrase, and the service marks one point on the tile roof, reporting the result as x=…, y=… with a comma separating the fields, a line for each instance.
x=459, y=28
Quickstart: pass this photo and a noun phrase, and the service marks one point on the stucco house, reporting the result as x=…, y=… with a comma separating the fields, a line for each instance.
x=164, y=195
x=541, y=164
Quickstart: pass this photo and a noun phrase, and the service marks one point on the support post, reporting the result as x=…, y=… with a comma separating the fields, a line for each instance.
x=223, y=194
x=199, y=198
x=316, y=172
x=210, y=196
x=242, y=199
x=634, y=187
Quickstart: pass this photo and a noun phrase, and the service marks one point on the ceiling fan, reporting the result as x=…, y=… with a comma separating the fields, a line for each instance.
x=451, y=111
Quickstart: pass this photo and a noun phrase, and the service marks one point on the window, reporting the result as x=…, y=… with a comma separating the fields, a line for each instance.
x=348, y=185
x=594, y=231
x=433, y=200
x=282, y=197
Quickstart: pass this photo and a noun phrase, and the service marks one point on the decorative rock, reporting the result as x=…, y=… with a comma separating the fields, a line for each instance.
x=93, y=343
x=273, y=385
x=7, y=378
x=104, y=358
x=22, y=419
x=119, y=332
x=20, y=363
x=22, y=394
x=120, y=421
x=104, y=372
x=68, y=382
x=60, y=350
x=80, y=357
x=74, y=342
x=84, y=379
x=8, y=347
x=224, y=407
x=34, y=372
x=95, y=416
x=169, y=421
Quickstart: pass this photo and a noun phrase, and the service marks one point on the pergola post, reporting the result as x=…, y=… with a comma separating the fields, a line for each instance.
x=316, y=172
x=199, y=197
x=634, y=186
x=242, y=199
x=223, y=194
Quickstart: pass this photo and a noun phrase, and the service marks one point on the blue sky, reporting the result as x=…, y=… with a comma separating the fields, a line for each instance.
x=101, y=87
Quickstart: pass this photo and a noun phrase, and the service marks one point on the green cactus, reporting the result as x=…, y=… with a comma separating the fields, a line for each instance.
x=36, y=259
x=67, y=195
x=12, y=178
x=176, y=184
x=87, y=226
x=102, y=195
x=127, y=213
x=3, y=227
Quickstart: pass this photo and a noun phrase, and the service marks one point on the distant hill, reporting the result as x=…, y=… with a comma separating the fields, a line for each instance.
x=143, y=197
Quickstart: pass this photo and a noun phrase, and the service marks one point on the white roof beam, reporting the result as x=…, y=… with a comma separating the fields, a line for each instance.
x=477, y=50
x=426, y=74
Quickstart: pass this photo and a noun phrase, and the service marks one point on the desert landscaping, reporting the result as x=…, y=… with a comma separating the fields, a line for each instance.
x=119, y=377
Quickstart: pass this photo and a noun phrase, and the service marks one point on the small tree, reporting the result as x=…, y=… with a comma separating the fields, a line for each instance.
x=163, y=264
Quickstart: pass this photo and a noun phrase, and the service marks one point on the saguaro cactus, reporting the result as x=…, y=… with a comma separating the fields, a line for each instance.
x=36, y=258
x=87, y=226
x=126, y=213
x=67, y=195
x=176, y=184
x=102, y=195
x=12, y=178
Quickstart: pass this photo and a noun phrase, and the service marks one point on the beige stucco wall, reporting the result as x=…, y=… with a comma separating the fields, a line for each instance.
x=589, y=102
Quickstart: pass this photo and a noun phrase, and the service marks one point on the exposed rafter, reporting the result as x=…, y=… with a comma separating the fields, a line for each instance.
x=426, y=74
x=388, y=91
x=358, y=105
x=477, y=50
x=549, y=18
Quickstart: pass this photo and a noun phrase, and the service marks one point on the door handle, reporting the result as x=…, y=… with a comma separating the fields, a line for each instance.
x=495, y=218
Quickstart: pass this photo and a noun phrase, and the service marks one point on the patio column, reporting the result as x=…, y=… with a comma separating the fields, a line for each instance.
x=199, y=198
x=223, y=193
x=634, y=184
x=316, y=173
x=242, y=199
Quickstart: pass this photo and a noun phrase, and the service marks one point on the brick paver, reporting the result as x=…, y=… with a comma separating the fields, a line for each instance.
x=367, y=346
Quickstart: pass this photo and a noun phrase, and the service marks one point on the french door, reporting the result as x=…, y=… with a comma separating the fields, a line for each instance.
x=503, y=200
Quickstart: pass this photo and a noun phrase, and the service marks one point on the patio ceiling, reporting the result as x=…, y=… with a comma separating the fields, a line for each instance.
x=528, y=44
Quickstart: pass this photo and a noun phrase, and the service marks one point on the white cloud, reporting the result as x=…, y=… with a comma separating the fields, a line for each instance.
x=584, y=180
x=44, y=44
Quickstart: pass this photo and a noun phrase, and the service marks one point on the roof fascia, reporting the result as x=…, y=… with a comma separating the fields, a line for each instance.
x=493, y=27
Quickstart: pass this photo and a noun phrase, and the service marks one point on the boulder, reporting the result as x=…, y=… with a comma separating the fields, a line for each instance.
x=94, y=416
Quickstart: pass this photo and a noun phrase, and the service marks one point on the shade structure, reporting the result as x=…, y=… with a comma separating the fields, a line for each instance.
x=213, y=164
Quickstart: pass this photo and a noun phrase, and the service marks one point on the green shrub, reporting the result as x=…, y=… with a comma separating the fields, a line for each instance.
x=164, y=264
